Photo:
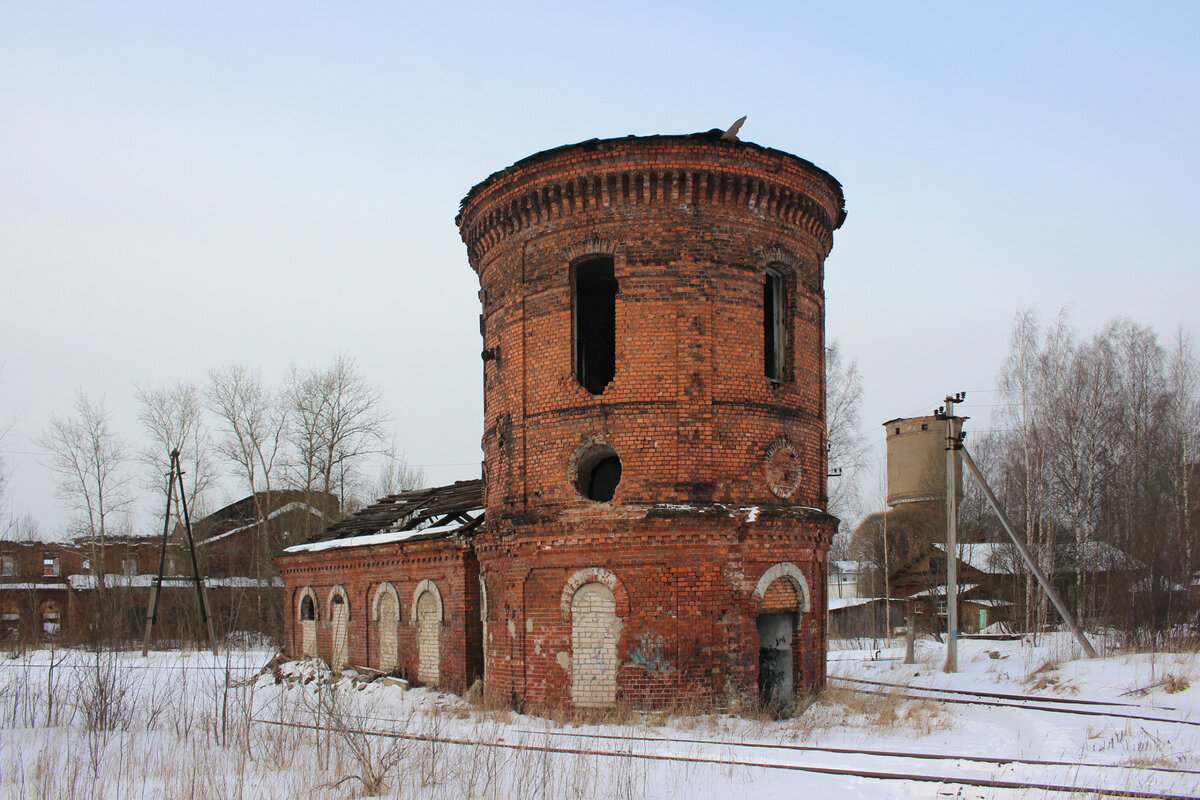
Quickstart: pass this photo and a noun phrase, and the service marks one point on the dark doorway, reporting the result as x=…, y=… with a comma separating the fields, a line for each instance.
x=775, y=660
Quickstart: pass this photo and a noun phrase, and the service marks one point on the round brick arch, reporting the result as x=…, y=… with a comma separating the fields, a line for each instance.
x=427, y=586
x=384, y=588
x=308, y=592
x=788, y=571
x=594, y=575
x=334, y=592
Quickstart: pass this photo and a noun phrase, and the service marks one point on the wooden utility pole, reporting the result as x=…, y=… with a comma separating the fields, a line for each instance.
x=173, y=477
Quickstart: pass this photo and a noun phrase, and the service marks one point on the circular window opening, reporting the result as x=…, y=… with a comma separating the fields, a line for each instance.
x=598, y=473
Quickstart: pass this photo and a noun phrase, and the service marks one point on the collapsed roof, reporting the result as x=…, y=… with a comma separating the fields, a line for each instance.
x=426, y=513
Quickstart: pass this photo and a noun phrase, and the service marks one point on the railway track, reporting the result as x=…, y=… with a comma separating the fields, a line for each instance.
x=1054, y=705
x=893, y=766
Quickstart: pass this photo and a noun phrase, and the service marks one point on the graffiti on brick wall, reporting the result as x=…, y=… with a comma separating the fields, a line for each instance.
x=648, y=654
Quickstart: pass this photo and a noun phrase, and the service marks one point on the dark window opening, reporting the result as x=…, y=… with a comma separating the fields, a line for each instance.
x=774, y=325
x=598, y=474
x=307, y=610
x=595, y=311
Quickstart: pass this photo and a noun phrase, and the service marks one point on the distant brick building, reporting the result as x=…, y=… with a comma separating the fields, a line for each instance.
x=654, y=443
x=97, y=589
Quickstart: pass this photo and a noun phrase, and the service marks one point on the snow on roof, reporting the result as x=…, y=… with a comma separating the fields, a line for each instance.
x=995, y=558
x=32, y=586
x=848, y=602
x=845, y=566
x=459, y=505
x=987, y=557
x=293, y=506
x=386, y=537
x=81, y=583
x=940, y=591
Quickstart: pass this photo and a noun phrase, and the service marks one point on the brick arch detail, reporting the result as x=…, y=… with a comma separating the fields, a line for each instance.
x=427, y=585
x=788, y=570
x=307, y=591
x=338, y=590
x=384, y=588
x=594, y=575
x=590, y=247
x=779, y=257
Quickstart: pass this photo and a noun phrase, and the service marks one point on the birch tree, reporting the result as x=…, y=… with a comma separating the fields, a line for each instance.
x=174, y=419
x=336, y=421
x=847, y=446
x=251, y=423
x=91, y=462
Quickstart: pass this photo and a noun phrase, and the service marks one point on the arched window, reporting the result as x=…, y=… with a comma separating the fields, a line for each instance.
x=594, y=307
x=339, y=619
x=774, y=324
x=308, y=610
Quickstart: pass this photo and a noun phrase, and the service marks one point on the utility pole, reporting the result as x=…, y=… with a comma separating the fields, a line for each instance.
x=953, y=443
x=175, y=478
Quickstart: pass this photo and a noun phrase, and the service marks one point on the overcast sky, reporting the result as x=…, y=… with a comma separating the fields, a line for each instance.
x=187, y=185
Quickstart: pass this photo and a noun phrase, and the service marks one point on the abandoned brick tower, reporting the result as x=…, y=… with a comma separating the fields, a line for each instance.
x=654, y=433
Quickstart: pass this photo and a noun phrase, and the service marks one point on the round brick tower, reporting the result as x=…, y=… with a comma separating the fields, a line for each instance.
x=653, y=332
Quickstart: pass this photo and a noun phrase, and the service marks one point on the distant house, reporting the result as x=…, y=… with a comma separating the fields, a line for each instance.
x=859, y=617
x=843, y=580
x=992, y=578
x=35, y=598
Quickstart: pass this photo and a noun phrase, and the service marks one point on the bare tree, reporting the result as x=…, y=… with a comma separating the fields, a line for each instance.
x=251, y=421
x=174, y=419
x=1098, y=456
x=252, y=424
x=91, y=461
x=846, y=443
x=1182, y=445
x=335, y=422
x=1032, y=383
x=395, y=475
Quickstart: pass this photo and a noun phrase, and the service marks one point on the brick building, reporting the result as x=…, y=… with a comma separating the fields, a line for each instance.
x=654, y=443
x=97, y=589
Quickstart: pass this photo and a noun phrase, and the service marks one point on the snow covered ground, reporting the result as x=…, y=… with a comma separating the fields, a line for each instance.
x=75, y=724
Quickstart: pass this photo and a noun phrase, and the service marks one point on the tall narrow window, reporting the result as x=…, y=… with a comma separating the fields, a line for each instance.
x=595, y=308
x=774, y=325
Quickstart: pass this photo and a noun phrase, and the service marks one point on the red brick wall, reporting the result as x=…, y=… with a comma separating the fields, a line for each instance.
x=360, y=571
x=686, y=596
x=691, y=224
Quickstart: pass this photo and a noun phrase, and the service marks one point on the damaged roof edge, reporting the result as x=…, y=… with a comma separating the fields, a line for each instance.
x=414, y=510
x=713, y=136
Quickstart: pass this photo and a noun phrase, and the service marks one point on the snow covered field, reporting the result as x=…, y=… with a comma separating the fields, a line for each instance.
x=75, y=724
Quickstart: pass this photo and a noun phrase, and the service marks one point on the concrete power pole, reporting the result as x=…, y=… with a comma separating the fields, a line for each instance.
x=953, y=443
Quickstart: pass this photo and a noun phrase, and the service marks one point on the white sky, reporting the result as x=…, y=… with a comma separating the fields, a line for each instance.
x=186, y=186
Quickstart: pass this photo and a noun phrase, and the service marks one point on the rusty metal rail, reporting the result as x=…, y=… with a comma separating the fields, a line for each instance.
x=1051, y=705
x=1023, y=785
